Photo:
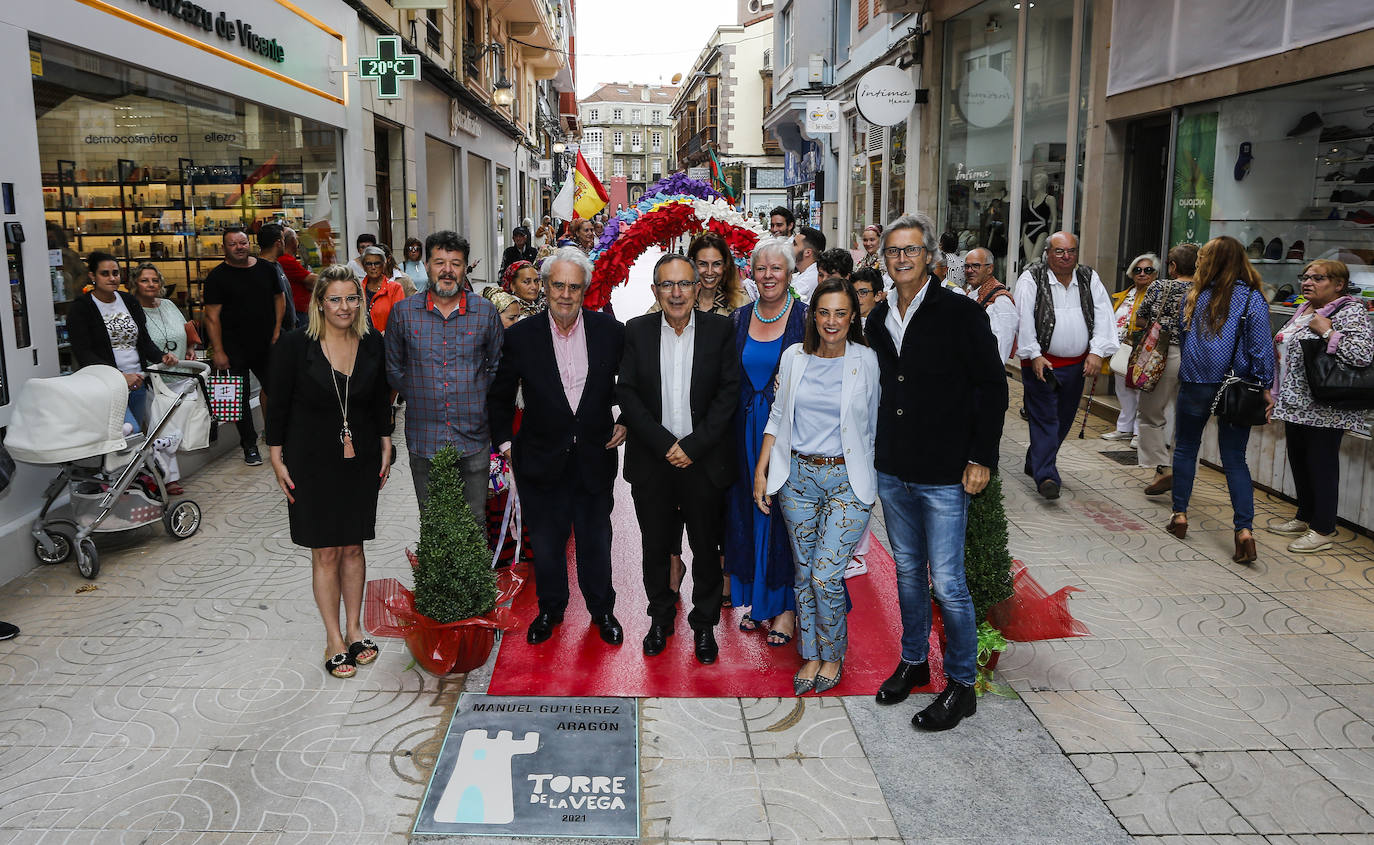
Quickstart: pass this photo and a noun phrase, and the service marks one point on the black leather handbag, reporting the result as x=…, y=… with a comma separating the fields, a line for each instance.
x=1240, y=401
x=1333, y=383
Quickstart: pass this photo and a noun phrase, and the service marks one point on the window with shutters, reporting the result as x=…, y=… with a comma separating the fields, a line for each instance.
x=863, y=14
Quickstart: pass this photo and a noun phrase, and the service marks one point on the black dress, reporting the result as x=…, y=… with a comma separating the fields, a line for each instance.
x=336, y=498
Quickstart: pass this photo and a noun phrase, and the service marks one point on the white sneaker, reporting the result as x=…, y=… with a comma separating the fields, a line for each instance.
x=856, y=567
x=1117, y=435
x=1135, y=442
x=1312, y=542
x=1293, y=527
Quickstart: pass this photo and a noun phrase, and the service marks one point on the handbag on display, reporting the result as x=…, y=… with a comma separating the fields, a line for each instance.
x=1121, y=359
x=1240, y=401
x=1335, y=384
x=1149, y=357
x=226, y=396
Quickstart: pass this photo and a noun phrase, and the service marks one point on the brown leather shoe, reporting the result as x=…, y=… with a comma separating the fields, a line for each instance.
x=1178, y=525
x=1245, y=549
x=1163, y=483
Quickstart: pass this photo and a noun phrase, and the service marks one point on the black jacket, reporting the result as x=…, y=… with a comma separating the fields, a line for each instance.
x=713, y=398
x=91, y=341
x=513, y=254
x=551, y=435
x=944, y=399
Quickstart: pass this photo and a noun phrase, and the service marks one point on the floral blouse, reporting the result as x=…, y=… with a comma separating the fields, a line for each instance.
x=868, y=262
x=1351, y=341
x=1164, y=302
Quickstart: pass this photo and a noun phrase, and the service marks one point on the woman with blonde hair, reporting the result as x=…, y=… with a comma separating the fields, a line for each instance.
x=329, y=433
x=1225, y=325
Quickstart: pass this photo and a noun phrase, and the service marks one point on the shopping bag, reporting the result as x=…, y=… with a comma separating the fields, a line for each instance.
x=191, y=419
x=226, y=396
x=1148, y=358
x=1120, y=359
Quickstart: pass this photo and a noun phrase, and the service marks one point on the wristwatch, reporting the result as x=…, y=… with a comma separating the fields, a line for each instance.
x=1326, y=334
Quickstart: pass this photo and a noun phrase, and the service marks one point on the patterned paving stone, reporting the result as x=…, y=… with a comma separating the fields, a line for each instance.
x=1349, y=769
x=1153, y=794
x=1303, y=716
x=800, y=728
x=1278, y=793
x=675, y=794
x=1201, y=718
x=1094, y=721
x=1335, y=610
x=1320, y=658
x=819, y=799
x=693, y=729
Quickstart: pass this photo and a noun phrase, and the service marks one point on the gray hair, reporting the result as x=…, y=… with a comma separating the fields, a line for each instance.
x=1145, y=256
x=915, y=220
x=778, y=246
x=375, y=250
x=566, y=255
x=288, y=235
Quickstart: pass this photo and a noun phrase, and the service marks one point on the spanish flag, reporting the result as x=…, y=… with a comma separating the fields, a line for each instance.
x=589, y=195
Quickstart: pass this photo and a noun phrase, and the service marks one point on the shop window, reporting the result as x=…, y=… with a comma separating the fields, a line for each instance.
x=896, y=170
x=858, y=177
x=502, y=207
x=153, y=169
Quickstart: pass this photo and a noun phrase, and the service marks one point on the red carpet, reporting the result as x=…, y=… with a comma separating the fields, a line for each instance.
x=575, y=662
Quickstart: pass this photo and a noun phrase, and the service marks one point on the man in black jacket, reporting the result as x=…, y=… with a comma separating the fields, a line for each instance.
x=678, y=384
x=564, y=456
x=939, y=422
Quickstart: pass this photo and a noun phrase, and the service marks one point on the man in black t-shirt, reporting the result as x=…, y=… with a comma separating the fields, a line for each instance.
x=244, y=306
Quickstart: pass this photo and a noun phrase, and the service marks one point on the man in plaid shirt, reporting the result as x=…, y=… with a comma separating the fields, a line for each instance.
x=442, y=348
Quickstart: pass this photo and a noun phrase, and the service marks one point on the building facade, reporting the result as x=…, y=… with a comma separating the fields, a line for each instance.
x=627, y=137
x=721, y=109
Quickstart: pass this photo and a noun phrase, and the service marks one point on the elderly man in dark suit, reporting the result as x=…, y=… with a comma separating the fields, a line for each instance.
x=678, y=384
x=564, y=456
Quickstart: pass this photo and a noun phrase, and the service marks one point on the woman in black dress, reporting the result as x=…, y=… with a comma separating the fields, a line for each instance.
x=329, y=429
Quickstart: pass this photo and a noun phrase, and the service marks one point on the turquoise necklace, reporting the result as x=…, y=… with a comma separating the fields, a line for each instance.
x=776, y=317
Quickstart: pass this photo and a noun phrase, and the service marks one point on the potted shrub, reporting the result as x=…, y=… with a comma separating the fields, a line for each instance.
x=987, y=566
x=451, y=619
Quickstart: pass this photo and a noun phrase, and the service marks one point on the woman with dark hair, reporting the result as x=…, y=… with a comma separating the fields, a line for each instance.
x=329, y=433
x=1155, y=415
x=721, y=290
x=521, y=280
x=519, y=250
x=1312, y=431
x=817, y=456
x=108, y=326
x=1225, y=326
x=413, y=264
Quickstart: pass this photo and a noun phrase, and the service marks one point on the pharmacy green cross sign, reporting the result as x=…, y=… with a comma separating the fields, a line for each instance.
x=389, y=67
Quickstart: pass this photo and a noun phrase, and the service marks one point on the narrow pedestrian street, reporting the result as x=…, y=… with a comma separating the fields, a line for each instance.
x=179, y=698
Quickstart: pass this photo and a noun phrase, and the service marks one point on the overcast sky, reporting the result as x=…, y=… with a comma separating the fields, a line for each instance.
x=643, y=40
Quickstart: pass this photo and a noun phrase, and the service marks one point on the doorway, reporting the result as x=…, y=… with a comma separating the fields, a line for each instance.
x=1145, y=197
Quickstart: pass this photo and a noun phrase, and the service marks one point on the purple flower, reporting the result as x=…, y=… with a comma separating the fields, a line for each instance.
x=678, y=183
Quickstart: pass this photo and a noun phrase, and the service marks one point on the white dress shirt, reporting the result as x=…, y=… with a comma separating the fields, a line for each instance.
x=1070, y=337
x=1004, y=319
x=675, y=375
x=896, y=324
x=804, y=282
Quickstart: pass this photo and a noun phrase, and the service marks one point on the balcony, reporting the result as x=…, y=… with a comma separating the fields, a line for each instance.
x=617, y=148
x=532, y=21
x=637, y=148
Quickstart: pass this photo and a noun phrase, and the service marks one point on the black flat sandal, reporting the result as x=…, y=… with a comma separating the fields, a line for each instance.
x=357, y=649
x=341, y=665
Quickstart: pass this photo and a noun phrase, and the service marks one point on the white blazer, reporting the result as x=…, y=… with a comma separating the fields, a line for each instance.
x=858, y=417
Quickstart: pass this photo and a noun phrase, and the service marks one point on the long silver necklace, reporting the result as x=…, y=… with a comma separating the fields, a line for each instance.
x=346, y=433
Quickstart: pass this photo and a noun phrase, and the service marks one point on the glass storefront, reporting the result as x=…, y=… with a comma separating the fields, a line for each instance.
x=154, y=169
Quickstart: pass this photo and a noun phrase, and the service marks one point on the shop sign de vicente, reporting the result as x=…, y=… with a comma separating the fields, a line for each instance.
x=229, y=29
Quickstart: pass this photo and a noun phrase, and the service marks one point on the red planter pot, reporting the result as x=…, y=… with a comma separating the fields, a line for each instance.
x=442, y=649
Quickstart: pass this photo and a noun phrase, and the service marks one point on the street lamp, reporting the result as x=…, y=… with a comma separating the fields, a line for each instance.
x=559, y=147
x=502, y=93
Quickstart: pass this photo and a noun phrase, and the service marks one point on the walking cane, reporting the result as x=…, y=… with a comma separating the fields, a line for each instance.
x=1088, y=407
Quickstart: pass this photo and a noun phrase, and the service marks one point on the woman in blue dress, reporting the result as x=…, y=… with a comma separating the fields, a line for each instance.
x=758, y=553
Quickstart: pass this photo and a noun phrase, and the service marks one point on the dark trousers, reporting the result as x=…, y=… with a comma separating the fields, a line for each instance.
x=241, y=365
x=1314, y=456
x=550, y=512
x=676, y=496
x=1051, y=413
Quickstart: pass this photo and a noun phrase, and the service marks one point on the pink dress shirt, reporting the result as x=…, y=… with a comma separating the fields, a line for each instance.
x=570, y=351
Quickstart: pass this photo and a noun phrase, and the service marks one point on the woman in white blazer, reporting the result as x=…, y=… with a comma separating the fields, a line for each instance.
x=817, y=456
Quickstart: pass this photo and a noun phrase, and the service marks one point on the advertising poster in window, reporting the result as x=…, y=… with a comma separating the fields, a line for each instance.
x=1195, y=161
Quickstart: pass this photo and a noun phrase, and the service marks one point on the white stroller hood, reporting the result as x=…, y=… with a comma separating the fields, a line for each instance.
x=65, y=418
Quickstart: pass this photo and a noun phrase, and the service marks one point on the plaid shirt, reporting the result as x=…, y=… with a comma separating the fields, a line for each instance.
x=443, y=367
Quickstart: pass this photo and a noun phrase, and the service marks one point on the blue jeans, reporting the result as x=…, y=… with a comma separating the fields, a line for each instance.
x=926, y=523
x=1194, y=407
x=136, y=412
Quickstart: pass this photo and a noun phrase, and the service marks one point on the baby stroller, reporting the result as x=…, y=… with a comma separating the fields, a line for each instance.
x=76, y=421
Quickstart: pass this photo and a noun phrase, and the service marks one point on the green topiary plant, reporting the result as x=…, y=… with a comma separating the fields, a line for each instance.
x=453, y=576
x=987, y=563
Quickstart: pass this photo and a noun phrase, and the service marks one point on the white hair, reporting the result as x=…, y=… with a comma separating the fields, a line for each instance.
x=566, y=255
x=778, y=246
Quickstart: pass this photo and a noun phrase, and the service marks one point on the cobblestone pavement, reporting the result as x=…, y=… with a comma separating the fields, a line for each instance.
x=183, y=700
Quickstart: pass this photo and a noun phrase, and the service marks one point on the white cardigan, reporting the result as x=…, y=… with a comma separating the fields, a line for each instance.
x=858, y=417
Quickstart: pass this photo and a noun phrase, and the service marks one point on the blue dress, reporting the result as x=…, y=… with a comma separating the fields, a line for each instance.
x=758, y=551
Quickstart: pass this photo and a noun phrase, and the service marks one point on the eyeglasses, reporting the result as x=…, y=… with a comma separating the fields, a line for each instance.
x=974, y=265
x=1143, y=271
x=909, y=251
x=336, y=301
x=1063, y=253
x=372, y=263
x=862, y=292
x=667, y=287
x=1315, y=277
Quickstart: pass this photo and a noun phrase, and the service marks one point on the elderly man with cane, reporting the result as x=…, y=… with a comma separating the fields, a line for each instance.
x=1066, y=332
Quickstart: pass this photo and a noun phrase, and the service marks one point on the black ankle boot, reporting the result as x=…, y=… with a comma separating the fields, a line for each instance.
x=948, y=708
x=908, y=677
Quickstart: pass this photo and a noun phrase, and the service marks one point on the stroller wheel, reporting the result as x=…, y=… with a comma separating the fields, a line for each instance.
x=62, y=549
x=87, y=559
x=182, y=519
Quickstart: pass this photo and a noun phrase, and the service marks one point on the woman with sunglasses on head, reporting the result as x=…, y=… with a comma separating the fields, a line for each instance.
x=329, y=433
x=1312, y=431
x=1140, y=273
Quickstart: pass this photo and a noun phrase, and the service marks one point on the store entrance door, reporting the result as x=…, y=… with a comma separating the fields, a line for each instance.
x=1145, y=198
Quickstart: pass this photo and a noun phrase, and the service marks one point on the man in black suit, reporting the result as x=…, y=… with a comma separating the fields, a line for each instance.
x=564, y=456
x=678, y=389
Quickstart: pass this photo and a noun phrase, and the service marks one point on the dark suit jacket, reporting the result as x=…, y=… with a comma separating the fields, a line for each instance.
x=713, y=397
x=551, y=436
x=91, y=341
x=944, y=398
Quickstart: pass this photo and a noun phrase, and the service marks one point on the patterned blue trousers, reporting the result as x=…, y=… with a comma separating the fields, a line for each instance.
x=825, y=521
